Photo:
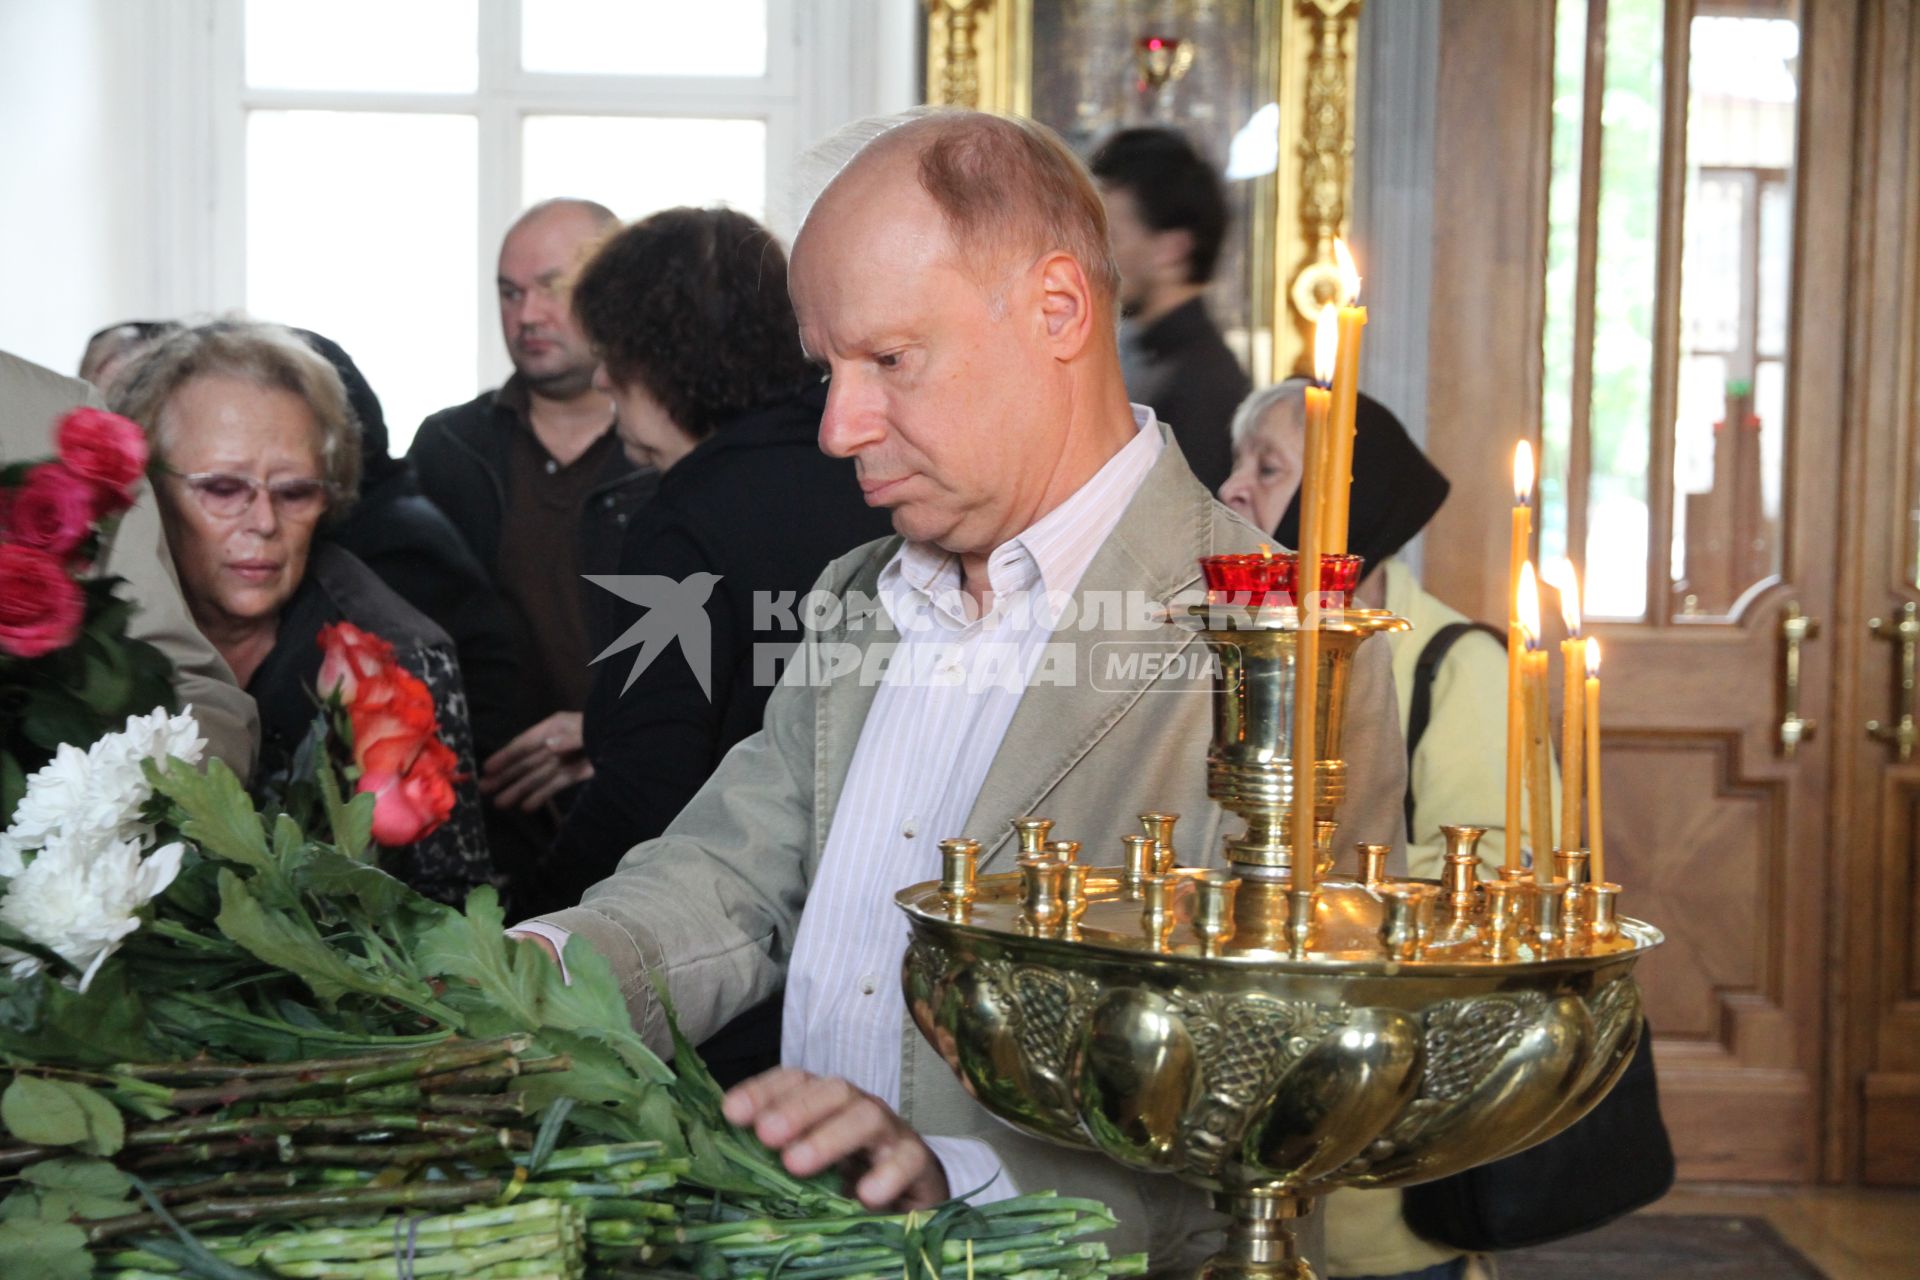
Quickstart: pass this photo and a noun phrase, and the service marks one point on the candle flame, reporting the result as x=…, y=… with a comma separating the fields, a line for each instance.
x=1593, y=658
x=1266, y=551
x=1563, y=578
x=1349, y=273
x=1527, y=604
x=1522, y=473
x=1326, y=346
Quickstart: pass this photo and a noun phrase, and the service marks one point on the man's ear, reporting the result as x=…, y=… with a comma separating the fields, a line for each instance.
x=1066, y=304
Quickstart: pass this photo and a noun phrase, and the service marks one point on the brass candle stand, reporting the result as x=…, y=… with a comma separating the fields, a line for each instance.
x=1265, y=1044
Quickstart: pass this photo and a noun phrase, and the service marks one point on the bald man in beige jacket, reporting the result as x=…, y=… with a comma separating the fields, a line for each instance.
x=32, y=400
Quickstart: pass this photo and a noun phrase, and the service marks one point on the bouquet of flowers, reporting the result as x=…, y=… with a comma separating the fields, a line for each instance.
x=68, y=670
x=235, y=1048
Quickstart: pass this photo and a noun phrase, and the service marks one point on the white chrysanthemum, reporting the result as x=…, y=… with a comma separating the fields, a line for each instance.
x=81, y=902
x=95, y=796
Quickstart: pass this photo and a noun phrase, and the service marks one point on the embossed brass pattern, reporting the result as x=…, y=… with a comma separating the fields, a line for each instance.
x=1245, y=1073
x=1903, y=733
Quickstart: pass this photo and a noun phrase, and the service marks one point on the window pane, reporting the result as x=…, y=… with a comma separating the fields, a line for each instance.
x=1624, y=297
x=1563, y=237
x=383, y=263
x=1729, y=442
x=645, y=37
x=636, y=165
x=422, y=46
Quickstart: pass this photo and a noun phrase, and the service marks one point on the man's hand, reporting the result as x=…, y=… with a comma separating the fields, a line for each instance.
x=816, y=1122
x=537, y=765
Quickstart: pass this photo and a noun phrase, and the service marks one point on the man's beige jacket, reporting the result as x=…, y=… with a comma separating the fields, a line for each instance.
x=32, y=400
x=714, y=902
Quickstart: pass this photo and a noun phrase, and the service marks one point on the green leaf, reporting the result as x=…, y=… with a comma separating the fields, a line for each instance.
x=289, y=941
x=76, y=1187
x=77, y=1173
x=106, y=1128
x=42, y=1113
x=524, y=984
x=350, y=820
x=335, y=874
x=282, y=941
x=44, y=1251
x=216, y=813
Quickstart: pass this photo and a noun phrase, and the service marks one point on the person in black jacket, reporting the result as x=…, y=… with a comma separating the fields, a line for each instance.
x=1168, y=217
x=535, y=481
x=702, y=355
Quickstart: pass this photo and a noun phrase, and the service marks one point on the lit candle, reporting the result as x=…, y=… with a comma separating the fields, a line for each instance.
x=1352, y=322
x=1573, y=659
x=1539, y=760
x=1307, y=581
x=1598, y=867
x=1516, y=648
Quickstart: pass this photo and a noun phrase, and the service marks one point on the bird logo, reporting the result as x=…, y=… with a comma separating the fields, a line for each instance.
x=676, y=610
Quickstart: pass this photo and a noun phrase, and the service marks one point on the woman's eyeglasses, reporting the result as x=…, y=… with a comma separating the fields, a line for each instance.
x=224, y=495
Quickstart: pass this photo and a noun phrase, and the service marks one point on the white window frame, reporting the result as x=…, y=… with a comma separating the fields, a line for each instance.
x=828, y=61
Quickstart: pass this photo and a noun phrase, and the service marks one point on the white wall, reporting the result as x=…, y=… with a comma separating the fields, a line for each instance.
x=72, y=242
x=114, y=161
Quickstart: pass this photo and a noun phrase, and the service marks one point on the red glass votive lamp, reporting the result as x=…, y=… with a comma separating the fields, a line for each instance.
x=1258, y=579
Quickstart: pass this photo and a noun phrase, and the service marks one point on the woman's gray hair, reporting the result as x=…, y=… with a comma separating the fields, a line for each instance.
x=1256, y=406
x=265, y=355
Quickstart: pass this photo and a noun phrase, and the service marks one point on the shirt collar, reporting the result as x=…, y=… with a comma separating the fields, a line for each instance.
x=1051, y=555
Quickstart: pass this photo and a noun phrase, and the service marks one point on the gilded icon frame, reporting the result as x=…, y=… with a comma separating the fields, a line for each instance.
x=982, y=53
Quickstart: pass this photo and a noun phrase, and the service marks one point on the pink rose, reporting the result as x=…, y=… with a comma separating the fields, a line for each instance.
x=350, y=656
x=407, y=809
x=106, y=449
x=53, y=511
x=41, y=606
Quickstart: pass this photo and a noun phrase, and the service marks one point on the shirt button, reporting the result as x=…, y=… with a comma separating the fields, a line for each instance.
x=867, y=985
x=911, y=828
x=552, y=466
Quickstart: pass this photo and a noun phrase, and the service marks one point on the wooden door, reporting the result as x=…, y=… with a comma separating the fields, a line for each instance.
x=1688, y=387
x=1875, y=1093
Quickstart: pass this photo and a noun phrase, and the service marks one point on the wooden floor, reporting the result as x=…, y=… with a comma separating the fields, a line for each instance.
x=1850, y=1233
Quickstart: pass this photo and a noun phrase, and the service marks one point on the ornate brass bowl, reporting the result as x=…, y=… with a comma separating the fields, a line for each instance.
x=1181, y=1043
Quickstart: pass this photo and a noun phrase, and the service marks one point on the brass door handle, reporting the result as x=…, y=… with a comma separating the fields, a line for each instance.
x=1796, y=629
x=1904, y=733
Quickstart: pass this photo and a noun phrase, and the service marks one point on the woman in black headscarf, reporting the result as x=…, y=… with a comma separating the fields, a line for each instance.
x=1456, y=770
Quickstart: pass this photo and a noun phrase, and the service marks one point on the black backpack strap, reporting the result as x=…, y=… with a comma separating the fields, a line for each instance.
x=1424, y=667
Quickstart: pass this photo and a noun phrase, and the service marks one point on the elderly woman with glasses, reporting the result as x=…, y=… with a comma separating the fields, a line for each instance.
x=255, y=447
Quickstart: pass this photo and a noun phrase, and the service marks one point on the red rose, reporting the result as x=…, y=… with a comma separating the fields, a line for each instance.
x=53, y=511
x=393, y=720
x=348, y=656
x=107, y=450
x=41, y=606
x=406, y=809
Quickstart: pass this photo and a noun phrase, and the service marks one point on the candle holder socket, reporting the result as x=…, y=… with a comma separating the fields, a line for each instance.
x=1137, y=862
x=1032, y=834
x=959, y=860
x=1159, y=829
x=1214, y=895
x=1605, y=925
x=1043, y=909
x=1373, y=864
x=1065, y=852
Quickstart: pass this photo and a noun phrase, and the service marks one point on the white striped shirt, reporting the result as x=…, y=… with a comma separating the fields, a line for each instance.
x=932, y=733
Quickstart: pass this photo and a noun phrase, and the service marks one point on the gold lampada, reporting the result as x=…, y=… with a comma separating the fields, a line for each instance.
x=1191, y=1022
